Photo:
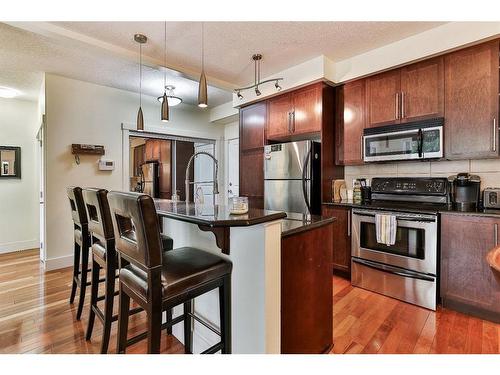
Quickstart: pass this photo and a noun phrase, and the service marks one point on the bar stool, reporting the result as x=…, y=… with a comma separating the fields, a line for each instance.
x=158, y=280
x=104, y=256
x=81, y=246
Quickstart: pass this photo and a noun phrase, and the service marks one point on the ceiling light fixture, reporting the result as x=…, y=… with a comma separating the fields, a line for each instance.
x=172, y=99
x=202, y=86
x=164, y=103
x=141, y=39
x=8, y=93
x=257, y=58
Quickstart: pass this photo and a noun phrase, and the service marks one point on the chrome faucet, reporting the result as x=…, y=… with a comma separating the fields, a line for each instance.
x=214, y=181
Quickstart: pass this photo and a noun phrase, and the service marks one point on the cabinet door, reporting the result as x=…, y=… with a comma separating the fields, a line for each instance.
x=252, y=176
x=341, y=238
x=467, y=282
x=471, y=102
x=422, y=90
x=165, y=166
x=382, y=98
x=252, y=125
x=350, y=126
x=279, y=117
x=307, y=109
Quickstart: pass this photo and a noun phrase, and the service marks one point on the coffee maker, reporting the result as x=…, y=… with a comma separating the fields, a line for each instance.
x=465, y=190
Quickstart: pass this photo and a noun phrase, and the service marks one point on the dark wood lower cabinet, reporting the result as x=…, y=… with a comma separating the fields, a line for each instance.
x=468, y=283
x=306, y=291
x=341, y=238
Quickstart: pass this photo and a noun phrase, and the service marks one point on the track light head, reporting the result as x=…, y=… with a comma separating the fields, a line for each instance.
x=277, y=85
x=238, y=94
x=257, y=91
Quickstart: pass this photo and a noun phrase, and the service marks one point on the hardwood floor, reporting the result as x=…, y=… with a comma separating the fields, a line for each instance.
x=35, y=317
x=366, y=322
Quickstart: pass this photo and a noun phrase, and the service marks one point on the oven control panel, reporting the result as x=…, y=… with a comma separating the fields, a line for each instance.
x=414, y=185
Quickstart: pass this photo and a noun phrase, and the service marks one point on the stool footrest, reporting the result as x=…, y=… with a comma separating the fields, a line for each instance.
x=204, y=323
x=213, y=349
x=142, y=336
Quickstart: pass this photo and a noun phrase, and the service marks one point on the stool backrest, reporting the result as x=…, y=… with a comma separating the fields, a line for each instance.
x=137, y=229
x=98, y=213
x=77, y=206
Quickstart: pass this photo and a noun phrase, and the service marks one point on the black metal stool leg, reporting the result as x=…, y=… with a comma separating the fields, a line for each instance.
x=94, y=289
x=83, y=279
x=108, y=304
x=188, y=334
x=124, y=307
x=225, y=314
x=76, y=267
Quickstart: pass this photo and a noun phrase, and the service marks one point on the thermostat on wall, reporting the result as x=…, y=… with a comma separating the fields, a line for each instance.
x=106, y=164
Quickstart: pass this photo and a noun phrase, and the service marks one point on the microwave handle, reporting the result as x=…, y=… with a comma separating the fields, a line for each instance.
x=392, y=270
x=420, y=147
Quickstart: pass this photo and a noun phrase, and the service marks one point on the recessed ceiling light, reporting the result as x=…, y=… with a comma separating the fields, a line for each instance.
x=7, y=92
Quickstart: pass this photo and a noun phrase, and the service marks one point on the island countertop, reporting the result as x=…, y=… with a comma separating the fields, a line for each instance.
x=213, y=216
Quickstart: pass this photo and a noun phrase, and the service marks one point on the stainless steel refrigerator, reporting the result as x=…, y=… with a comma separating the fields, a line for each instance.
x=150, y=179
x=292, y=177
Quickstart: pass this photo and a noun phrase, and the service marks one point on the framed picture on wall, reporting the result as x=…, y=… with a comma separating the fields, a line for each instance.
x=10, y=162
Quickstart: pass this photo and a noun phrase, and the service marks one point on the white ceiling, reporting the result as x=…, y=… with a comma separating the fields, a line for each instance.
x=228, y=50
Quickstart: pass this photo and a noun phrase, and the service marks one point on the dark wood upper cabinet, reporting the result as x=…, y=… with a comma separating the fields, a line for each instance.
x=341, y=238
x=382, y=98
x=468, y=284
x=307, y=109
x=253, y=121
x=471, y=102
x=422, y=90
x=295, y=113
x=350, y=123
x=279, y=122
x=252, y=125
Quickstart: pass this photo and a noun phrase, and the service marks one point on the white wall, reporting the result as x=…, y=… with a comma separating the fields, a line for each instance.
x=487, y=169
x=19, y=215
x=81, y=112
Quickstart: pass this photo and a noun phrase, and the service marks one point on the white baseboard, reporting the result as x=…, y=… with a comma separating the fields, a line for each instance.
x=59, y=262
x=10, y=247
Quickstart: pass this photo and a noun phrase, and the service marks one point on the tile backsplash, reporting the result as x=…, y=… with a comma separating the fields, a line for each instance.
x=487, y=169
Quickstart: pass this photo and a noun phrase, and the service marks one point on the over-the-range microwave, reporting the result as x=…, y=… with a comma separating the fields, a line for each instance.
x=410, y=141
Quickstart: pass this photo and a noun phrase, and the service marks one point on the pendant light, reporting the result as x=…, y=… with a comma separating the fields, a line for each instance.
x=202, y=86
x=164, y=103
x=141, y=39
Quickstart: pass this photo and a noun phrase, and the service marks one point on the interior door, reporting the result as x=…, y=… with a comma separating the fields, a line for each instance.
x=204, y=171
x=382, y=98
x=233, y=185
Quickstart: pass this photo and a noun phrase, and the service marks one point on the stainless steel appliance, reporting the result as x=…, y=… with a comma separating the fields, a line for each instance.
x=292, y=177
x=491, y=198
x=406, y=270
x=150, y=179
x=416, y=140
x=465, y=190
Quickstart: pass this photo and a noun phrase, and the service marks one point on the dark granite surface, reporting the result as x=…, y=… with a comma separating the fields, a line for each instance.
x=297, y=223
x=415, y=207
x=214, y=216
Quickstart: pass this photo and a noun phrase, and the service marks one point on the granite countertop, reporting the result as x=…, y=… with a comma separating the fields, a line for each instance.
x=414, y=207
x=213, y=216
x=297, y=223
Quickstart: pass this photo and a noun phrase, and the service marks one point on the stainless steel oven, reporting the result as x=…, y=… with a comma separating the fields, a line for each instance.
x=419, y=140
x=406, y=270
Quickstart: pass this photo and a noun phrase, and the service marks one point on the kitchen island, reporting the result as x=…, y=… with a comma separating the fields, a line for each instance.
x=253, y=243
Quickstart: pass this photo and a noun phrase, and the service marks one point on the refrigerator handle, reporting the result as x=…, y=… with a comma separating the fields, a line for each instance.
x=304, y=181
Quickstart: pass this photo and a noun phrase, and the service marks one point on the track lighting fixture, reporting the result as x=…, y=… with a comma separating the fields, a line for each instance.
x=257, y=82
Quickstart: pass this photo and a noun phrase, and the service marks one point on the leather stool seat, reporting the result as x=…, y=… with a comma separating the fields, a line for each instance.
x=183, y=269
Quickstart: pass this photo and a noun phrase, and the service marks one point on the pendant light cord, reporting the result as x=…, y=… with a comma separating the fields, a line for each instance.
x=165, y=62
x=203, y=46
x=140, y=75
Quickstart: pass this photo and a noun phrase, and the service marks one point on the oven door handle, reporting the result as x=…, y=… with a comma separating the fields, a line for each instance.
x=393, y=270
x=401, y=218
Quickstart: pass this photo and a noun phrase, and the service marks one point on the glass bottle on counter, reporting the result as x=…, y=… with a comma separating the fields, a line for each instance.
x=356, y=194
